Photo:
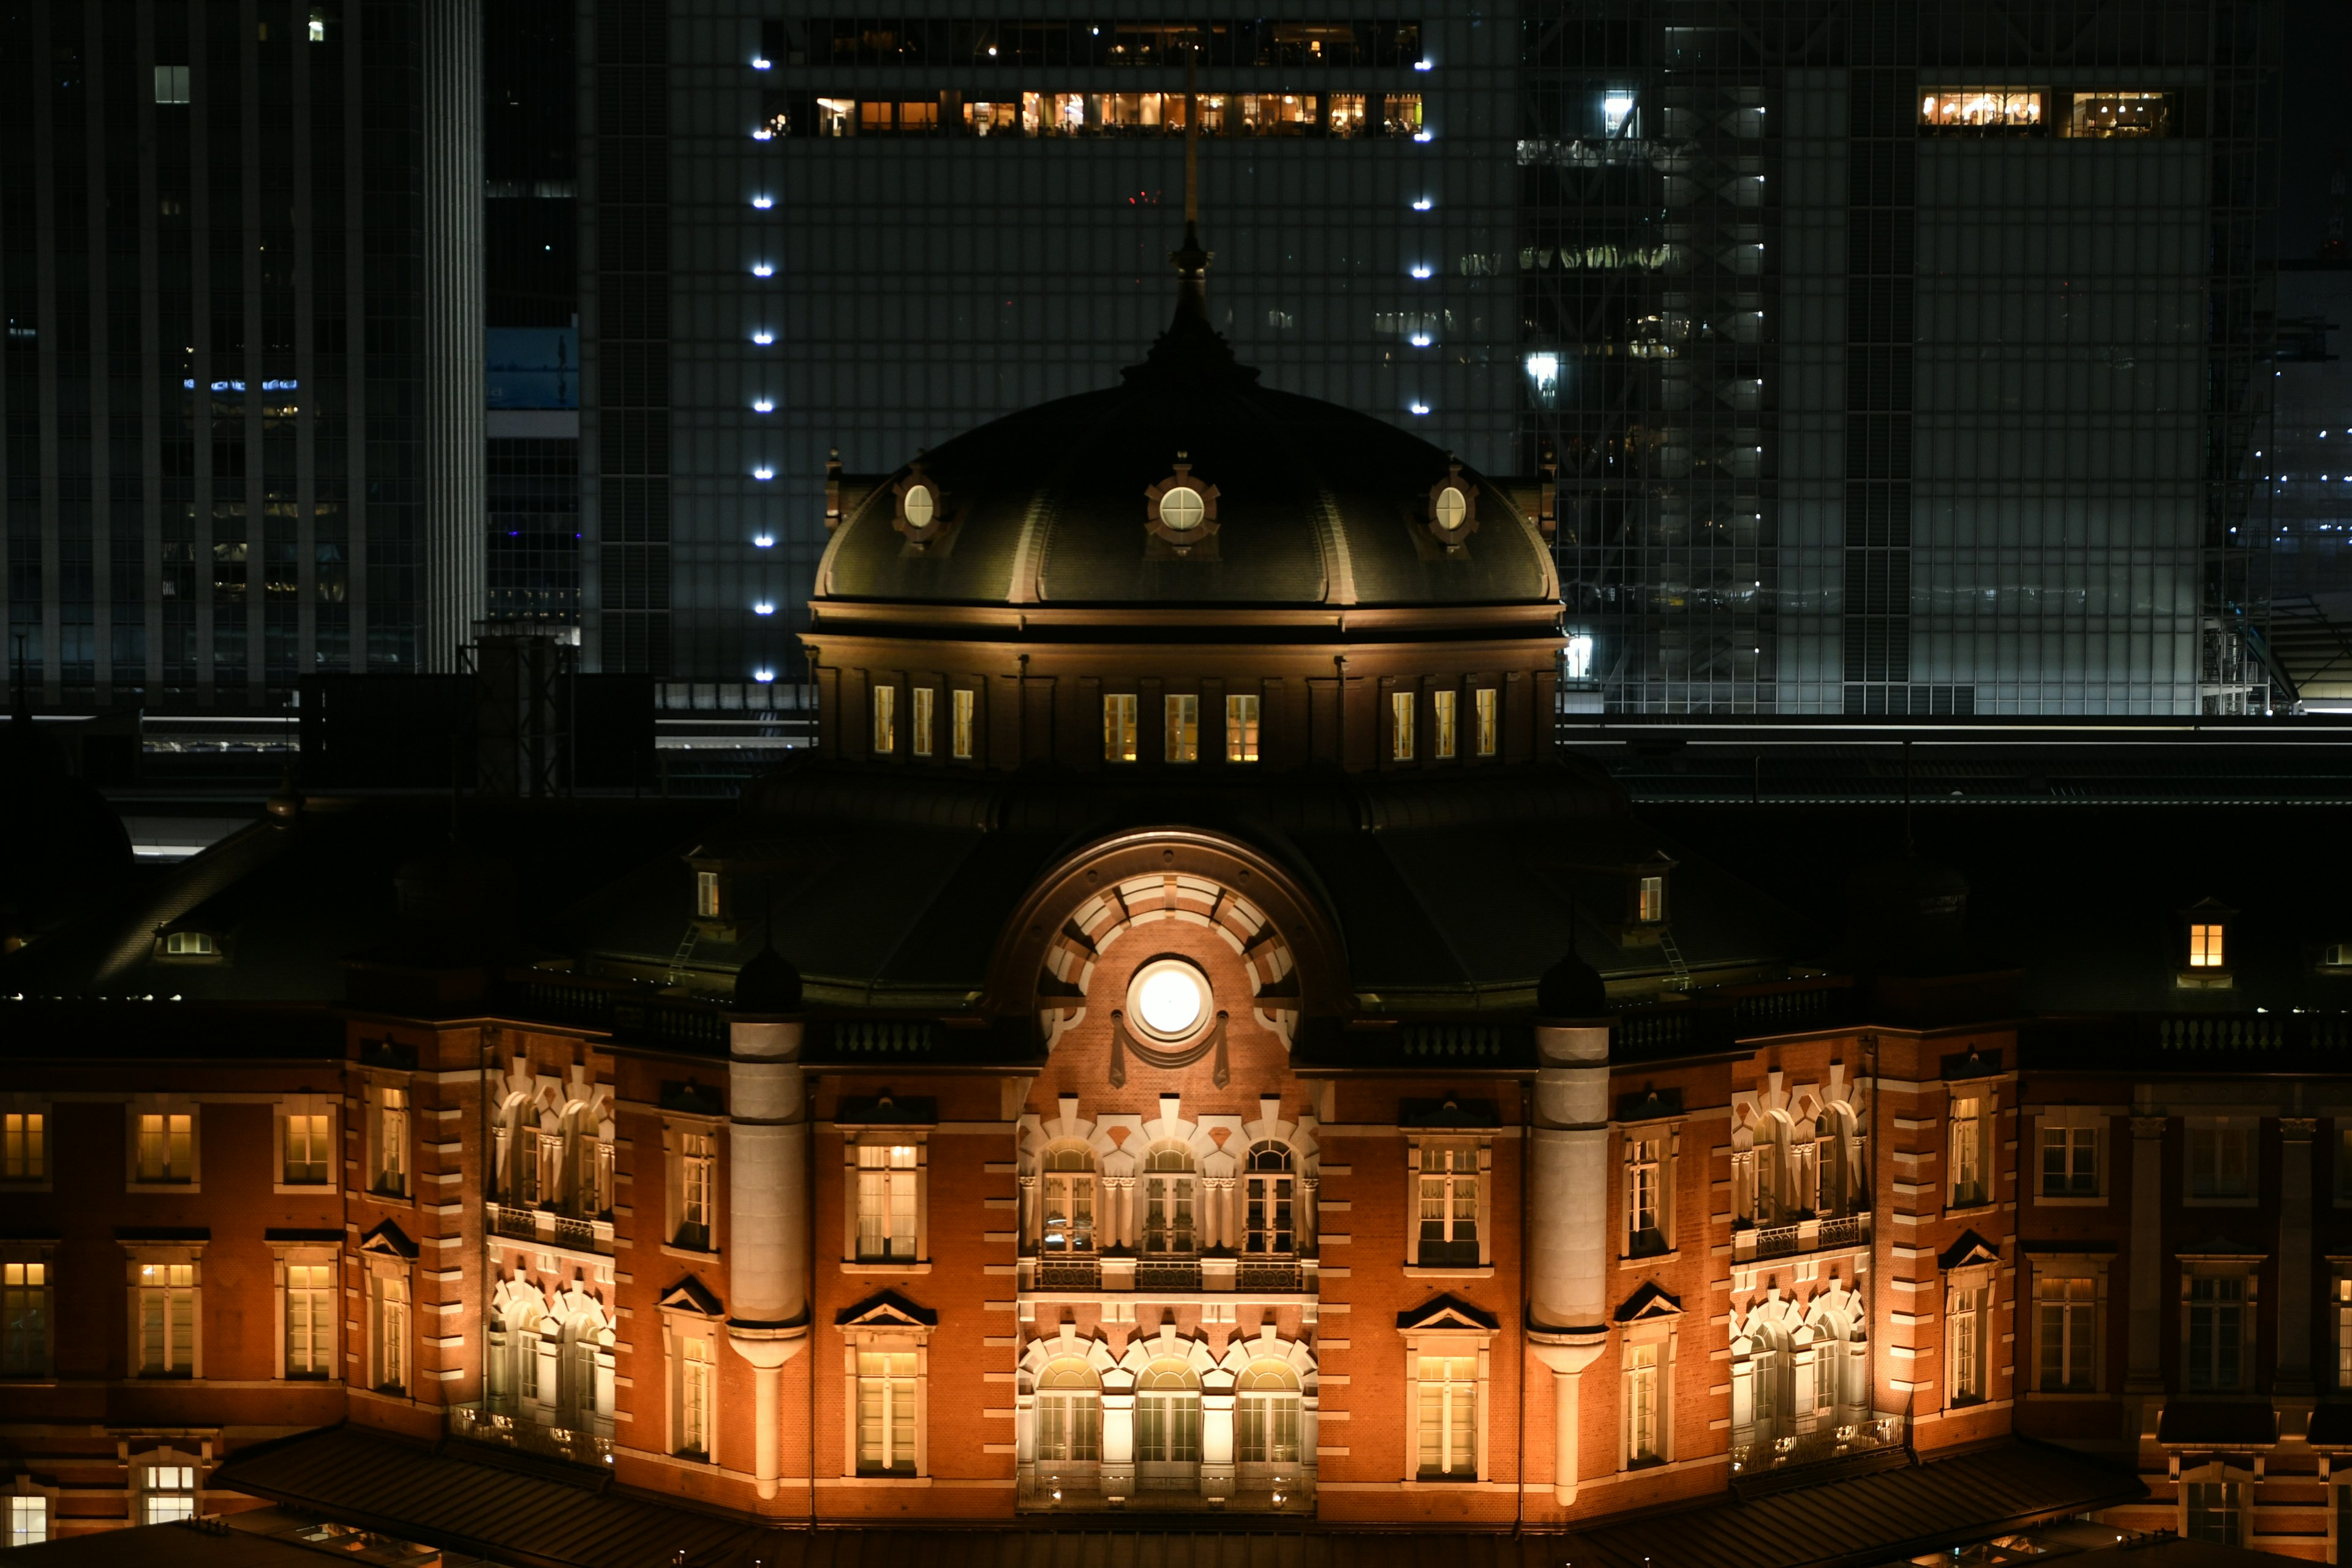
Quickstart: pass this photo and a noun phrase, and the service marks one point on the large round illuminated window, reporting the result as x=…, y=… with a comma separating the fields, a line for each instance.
x=1453, y=506
x=1182, y=509
x=921, y=506
x=1169, y=999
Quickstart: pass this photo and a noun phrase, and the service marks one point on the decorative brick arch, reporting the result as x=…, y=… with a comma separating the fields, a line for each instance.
x=1045, y=960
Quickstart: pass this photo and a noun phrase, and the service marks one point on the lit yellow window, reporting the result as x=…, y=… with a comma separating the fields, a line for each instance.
x=1654, y=898
x=1240, y=729
x=24, y=1148
x=1443, y=738
x=1486, y=698
x=1183, y=729
x=2205, y=947
x=1119, y=727
x=961, y=734
x=1400, y=709
x=705, y=894
x=924, y=697
x=886, y=720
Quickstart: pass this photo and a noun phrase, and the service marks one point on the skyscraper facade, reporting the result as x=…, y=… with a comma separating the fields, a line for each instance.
x=241, y=303
x=1902, y=357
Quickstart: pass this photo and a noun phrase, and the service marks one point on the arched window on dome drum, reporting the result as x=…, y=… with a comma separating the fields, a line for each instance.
x=1169, y=1185
x=1268, y=1191
x=1266, y=1415
x=1168, y=1415
x=1069, y=1211
x=1068, y=1413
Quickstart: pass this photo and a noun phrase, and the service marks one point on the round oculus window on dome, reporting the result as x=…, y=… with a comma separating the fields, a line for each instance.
x=1169, y=999
x=1182, y=509
x=921, y=506
x=1453, y=506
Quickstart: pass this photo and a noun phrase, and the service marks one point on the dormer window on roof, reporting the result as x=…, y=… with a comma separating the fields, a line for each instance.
x=1653, y=896
x=2205, y=945
x=191, y=944
x=1453, y=507
x=1180, y=510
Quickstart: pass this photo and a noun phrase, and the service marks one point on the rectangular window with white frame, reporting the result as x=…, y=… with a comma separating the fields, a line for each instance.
x=306, y=1147
x=1402, y=706
x=1965, y=1335
x=886, y=1192
x=694, y=1187
x=885, y=721
x=1484, y=717
x=1646, y=1377
x=1442, y=724
x=2217, y=1326
x=164, y=1147
x=1446, y=1413
x=887, y=1410
x=1971, y=1117
x=706, y=895
x=2342, y=1331
x=1181, y=741
x=29, y=1517
x=388, y=1141
x=2066, y=1327
x=1649, y=1215
x=25, y=1146
x=1241, y=728
x=167, y=1491
x=925, y=698
x=966, y=704
x=693, y=1385
x=2222, y=1151
x=1450, y=1197
x=1119, y=727
x=307, y=1309
x=2069, y=1163
x=388, y=1331
x=166, y=1312
x=27, y=1312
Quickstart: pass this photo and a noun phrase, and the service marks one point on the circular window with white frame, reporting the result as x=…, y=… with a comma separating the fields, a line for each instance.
x=1180, y=510
x=1169, y=1000
x=922, y=512
x=1453, y=507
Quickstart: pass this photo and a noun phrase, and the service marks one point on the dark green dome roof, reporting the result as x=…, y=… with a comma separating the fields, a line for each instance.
x=1315, y=505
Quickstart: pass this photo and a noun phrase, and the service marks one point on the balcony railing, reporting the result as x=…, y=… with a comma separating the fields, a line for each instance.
x=569, y=1444
x=1069, y=1274
x=1168, y=1274
x=1268, y=1274
x=1804, y=1236
x=1851, y=1434
x=545, y=1226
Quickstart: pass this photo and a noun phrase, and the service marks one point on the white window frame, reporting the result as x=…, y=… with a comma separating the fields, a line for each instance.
x=884, y=731
x=2245, y=1131
x=1403, y=708
x=32, y=1512
x=921, y=717
x=139, y=1259
x=707, y=905
x=390, y=1151
x=2071, y=1121
x=890, y=1340
x=167, y=1106
x=1121, y=745
x=1480, y=1146
x=1986, y=1140
x=1633, y=1136
x=1445, y=723
x=1968, y=1361
x=309, y=1255
x=1485, y=720
x=391, y=1319
x=675, y=1130
x=26, y=1268
x=683, y=1333
x=854, y=1169
x=1244, y=727
x=306, y=1105
x=175, y=1465
x=2050, y=1268
x=964, y=708
x=2247, y=1273
x=1180, y=715
x=1453, y=1345
x=28, y=1136
x=1657, y=1338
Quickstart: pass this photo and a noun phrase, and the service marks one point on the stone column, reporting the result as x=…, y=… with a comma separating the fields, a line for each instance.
x=2146, y=1366
x=1567, y=1242
x=768, y=1221
x=2294, y=1373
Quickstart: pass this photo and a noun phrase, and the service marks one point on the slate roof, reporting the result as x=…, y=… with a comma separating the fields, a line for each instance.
x=551, y=1516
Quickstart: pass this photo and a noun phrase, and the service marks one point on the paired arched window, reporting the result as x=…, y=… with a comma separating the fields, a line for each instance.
x=1068, y=1224
x=1270, y=1190
x=1168, y=1415
x=513, y=1360
x=1170, y=1201
x=1266, y=1415
x=1069, y=1413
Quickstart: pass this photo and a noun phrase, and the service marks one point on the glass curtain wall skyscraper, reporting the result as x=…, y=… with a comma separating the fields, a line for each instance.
x=222, y=250
x=807, y=228
x=1901, y=356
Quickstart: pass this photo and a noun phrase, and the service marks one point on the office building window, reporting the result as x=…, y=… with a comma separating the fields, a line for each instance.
x=1442, y=723
x=924, y=698
x=1979, y=111
x=309, y=1157
x=1119, y=727
x=391, y=1175
x=309, y=1310
x=24, y=1146
x=167, y=1147
x=1266, y=1415
x=886, y=720
x=1069, y=1413
x=1401, y=713
x=28, y=1519
x=2132, y=115
x=1446, y=1408
x=171, y=84
x=2221, y=1162
x=2212, y=1511
x=1448, y=1183
x=886, y=1412
x=1183, y=738
x=1967, y=1153
x=1268, y=1191
x=167, y=1319
x=25, y=1317
x=696, y=1379
x=1066, y=1223
x=2216, y=1331
x=960, y=737
x=1168, y=1415
x=1484, y=697
x=1642, y=1405
x=1240, y=729
x=167, y=1493
x=2068, y=1312
x=1646, y=1172
x=886, y=1201
x=2070, y=1162
x=697, y=1172
x=1966, y=1335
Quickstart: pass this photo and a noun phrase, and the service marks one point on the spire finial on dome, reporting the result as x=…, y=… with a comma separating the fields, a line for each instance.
x=1192, y=260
